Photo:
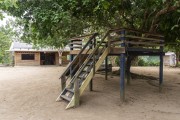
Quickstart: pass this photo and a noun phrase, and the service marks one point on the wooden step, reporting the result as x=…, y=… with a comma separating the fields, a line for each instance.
x=82, y=75
x=87, y=70
x=90, y=63
x=70, y=90
x=75, y=44
x=80, y=47
x=66, y=98
x=95, y=58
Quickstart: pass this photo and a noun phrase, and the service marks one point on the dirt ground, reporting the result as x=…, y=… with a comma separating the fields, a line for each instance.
x=29, y=93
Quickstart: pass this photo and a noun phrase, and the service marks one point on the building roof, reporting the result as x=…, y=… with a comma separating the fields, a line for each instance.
x=169, y=53
x=20, y=46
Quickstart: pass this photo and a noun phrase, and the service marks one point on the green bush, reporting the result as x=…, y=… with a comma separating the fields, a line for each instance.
x=141, y=62
x=117, y=61
x=148, y=61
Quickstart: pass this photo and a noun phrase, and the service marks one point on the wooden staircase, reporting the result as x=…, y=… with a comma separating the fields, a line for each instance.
x=83, y=70
x=83, y=79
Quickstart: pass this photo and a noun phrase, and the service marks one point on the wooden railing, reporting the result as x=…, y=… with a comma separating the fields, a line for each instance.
x=96, y=52
x=136, y=40
x=126, y=39
x=73, y=66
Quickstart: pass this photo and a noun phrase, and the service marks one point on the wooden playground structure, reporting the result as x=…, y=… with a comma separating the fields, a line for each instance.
x=87, y=58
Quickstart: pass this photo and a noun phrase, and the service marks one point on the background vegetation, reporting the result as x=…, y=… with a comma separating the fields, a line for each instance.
x=53, y=22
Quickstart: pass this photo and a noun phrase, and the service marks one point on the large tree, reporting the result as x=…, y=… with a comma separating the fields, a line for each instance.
x=52, y=22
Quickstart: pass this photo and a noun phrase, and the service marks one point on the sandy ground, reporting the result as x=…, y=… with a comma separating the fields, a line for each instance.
x=29, y=93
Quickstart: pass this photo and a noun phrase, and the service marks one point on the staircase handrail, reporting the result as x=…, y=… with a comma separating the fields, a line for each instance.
x=76, y=58
x=90, y=56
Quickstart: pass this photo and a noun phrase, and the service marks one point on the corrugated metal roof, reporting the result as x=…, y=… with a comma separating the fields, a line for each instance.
x=20, y=46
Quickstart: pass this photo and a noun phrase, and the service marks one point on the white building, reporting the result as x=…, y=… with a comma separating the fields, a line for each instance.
x=170, y=59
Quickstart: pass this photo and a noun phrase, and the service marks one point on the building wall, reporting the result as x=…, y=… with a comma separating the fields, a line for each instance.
x=166, y=60
x=65, y=57
x=57, y=58
x=20, y=62
x=170, y=60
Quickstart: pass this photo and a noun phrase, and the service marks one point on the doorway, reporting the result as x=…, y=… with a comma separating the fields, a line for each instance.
x=47, y=58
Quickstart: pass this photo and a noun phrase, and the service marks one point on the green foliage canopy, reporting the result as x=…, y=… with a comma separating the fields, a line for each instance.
x=52, y=22
x=5, y=41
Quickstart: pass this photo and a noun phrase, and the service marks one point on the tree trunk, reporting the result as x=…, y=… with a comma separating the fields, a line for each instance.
x=60, y=56
x=129, y=61
x=134, y=60
x=177, y=58
x=128, y=67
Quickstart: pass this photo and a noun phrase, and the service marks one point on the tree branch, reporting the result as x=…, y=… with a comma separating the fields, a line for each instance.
x=162, y=12
x=145, y=19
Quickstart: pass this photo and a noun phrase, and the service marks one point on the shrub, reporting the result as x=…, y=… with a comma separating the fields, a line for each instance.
x=148, y=61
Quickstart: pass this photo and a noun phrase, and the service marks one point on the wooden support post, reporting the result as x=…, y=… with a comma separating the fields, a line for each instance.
x=122, y=69
x=161, y=73
x=63, y=83
x=76, y=93
x=106, y=68
x=71, y=59
x=128, y=73
x=91, y=82
x=122, y=77
x=91, y=85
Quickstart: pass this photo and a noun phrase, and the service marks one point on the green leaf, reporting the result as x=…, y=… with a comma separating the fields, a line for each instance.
x=175, y=26
x=106, y=5
x=163, y=1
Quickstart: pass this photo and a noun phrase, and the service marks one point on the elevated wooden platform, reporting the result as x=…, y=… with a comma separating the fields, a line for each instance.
x=87, y=54
x=134, y=43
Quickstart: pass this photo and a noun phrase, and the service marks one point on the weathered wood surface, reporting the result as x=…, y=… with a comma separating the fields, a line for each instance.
x=88, y=78
x=144, y=43
x=75, y=52
x=143, y=38
x=112, y=51
x=117, y=50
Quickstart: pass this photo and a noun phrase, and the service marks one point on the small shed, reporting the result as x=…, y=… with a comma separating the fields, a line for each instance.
x=25, y=54
x=170, y=59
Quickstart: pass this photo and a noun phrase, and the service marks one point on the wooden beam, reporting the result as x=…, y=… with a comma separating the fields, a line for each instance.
x=150, y=53
x=143, y=43
x=144, y=38
x=77, y=46
x=76, y=93
x=63, y=83
x=143, y=49
x=106, y=68
x=117, y=50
